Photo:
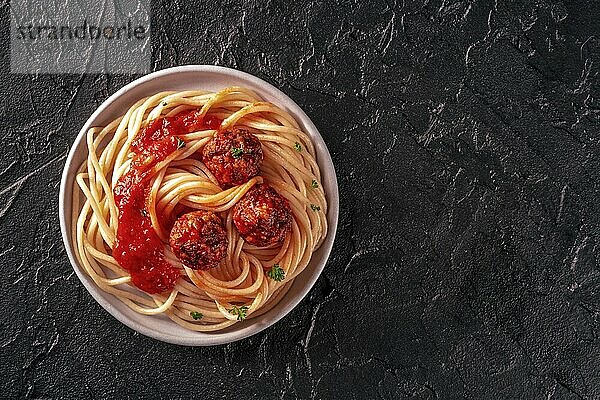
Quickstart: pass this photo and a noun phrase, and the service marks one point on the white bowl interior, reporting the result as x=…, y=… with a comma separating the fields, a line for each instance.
x=208, y=78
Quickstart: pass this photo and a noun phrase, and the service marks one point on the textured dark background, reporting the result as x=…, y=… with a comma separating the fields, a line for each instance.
x=466, y=140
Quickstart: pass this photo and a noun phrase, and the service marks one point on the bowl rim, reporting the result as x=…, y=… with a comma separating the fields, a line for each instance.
x=252, y=328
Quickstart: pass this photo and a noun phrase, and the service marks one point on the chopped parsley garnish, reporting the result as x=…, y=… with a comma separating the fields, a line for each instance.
x=315, y=207
x=276, y=273
x=237, y=152
x=314, y=184
x=239, y=311
x=196, y=315
x=297, y=147
x=180, y=143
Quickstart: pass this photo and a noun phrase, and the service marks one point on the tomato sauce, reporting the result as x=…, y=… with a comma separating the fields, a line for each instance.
x=138, y=248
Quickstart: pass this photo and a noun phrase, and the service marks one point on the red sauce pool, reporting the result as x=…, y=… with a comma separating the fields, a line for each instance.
x=138, y=249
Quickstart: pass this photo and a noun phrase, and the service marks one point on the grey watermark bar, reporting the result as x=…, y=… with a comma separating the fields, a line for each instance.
x=80, y=36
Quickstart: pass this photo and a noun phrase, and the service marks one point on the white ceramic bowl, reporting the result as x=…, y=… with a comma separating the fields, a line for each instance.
x=210, y=78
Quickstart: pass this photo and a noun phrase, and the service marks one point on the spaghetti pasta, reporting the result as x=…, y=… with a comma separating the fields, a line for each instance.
x=243, y=284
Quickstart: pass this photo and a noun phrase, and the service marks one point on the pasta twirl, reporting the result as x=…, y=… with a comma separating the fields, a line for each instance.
x=201, y=300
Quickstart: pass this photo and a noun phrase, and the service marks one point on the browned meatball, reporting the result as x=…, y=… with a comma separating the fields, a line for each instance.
x=199, y=240
x=233, y=156
x=263, y=217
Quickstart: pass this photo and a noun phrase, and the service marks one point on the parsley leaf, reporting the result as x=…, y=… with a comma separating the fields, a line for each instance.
x=237, y=152
x=315, y=207
x=297, y=147
x=196, y=315
x=180, y=143
x=239, y=311
x=276, y=273
x=314, y=184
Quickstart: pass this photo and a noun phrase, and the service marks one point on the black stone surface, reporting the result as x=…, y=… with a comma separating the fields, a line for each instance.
x=466, y=140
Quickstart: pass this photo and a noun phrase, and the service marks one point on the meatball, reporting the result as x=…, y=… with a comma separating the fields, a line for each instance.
x=263, y=217
x=199, y=240
x=233, y=156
